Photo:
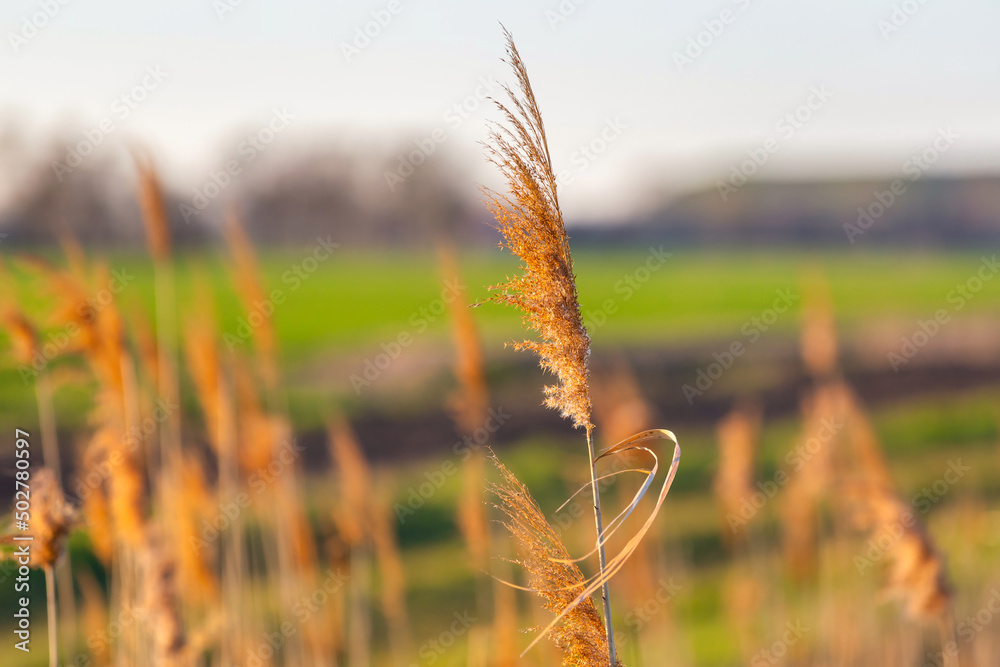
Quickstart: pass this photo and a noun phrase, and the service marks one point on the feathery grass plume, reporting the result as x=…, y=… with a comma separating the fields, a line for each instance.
x=23, y=336
x=51, y=521
x=96, y=503
x=532, y=226
x=916, y=571
x=258, y=429
x=251, y=290
x=738, y=434
x=470, y=402
x=531, y=223
x=154, y=212
x=800, y=511
x=51, y=518
x=355, y=480
x=552, y=572
x=190, y=506
x=365, y=524
x=160, y=604
x=819, y=331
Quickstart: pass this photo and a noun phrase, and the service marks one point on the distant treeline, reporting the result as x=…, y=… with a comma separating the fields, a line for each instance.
x=293, y=196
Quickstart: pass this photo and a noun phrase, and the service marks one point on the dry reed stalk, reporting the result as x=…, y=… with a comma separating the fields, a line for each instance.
x=808, y=485
x=392, y=575
x=190, y=503
x=24, y=339
x=505, y=626
x=96, y=506
x=159, y=601
x=51, y=521
x=531, y=222
x=472, y=521
x=553, y=574
x=246, y=274
x=819, y=332
x=738, y=435
x=622, y=409
x=916, y=571
x=365, y=524
x=95, y=617
x=247, y=277
x=470, y=402
x=157, y=224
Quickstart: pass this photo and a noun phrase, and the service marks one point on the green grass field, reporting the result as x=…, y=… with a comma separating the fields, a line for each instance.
x=355, y=301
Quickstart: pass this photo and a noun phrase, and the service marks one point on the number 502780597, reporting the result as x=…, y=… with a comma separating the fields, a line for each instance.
x=22, y=453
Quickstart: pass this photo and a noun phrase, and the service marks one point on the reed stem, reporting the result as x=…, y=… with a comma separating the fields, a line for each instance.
x=50, y=595
x=602, y=559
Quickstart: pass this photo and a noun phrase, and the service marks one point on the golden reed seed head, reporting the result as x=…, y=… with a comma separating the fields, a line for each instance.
x=154, y=213
x=552, y=574
x=159, y=602
x=51, y=518
x=738, y=434
x=23, y=336
x=532, y=226
x=353, y=515
x=470, y=402
x=819, y=328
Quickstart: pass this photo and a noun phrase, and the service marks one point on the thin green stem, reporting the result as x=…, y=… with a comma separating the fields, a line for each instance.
x=602, y=559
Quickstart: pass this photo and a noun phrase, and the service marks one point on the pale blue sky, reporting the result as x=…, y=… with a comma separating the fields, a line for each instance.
x=606, y=60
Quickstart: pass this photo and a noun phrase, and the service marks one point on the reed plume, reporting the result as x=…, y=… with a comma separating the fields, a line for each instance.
x=531, y=223
x=738, y=434
x=532, y=226
x=819, y=332
x=470, y=402
x=916, y=571
x=51, y=518
x=553, y=574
